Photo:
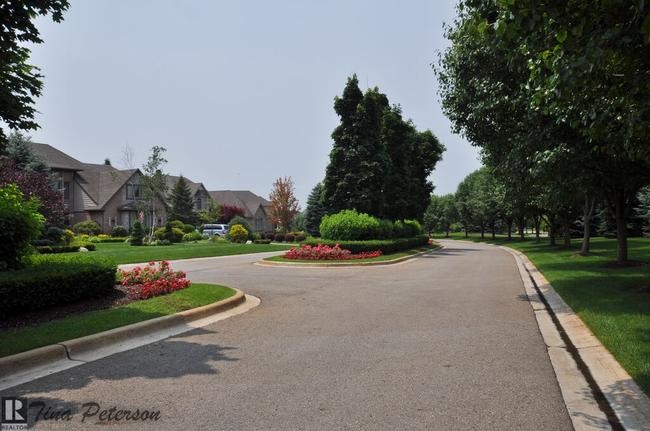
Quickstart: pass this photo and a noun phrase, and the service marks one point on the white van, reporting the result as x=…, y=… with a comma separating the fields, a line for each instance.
x=214, y=229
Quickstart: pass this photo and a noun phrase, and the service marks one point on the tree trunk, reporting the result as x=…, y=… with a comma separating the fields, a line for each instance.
x=621, y=227
x=538, y=221
x=551, y=230
x=482, y=231
x=493, y=229
x=566, y=227
x=509, y=230
x=447, y=232
x=522, y=225
x=466, y=232
x=590, y=204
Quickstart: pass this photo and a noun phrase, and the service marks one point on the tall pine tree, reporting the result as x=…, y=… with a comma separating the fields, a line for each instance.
x=315, y=210
x=182, y=203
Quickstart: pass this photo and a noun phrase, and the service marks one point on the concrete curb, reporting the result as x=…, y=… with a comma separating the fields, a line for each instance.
x=352, y=264
x=626, y=400
x=55, y=357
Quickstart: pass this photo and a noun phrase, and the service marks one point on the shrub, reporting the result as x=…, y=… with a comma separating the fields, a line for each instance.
x=177, y=224
x=119, y=231
x=386, y=246
x=349, y=225
x=386, y=229
x=300, y=238
x=242, y=221
x=88, y=227
x=54, y=234
x=153, y=280
x=68, y=236
x=138, y=234
x=289, y=237
x=192, y=236
x=49, y=249
x=279, y=237
x=326, y=252
x=55, y=280
x=171, y=234
x=188, y=228
x=20, y=223
x=238, y=233
x=42, y=242
x=262, y=241
x=218, y=239
x=269, y=235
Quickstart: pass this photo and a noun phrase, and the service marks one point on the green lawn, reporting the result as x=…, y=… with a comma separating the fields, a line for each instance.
x=613, y=302
x=382, y=258
x=92, y=322
x=125, y=253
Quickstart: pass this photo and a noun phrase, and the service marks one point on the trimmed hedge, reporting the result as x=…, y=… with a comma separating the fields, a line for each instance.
x=386, y=246
x=55, y=280
x=262, y=241
x=50, y=249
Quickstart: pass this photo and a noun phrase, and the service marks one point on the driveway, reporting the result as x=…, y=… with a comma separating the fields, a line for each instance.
x=444, y=341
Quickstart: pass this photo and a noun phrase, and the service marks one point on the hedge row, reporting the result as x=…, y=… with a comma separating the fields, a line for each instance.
x=55, y=280
x=49, y=249
x=386, y=246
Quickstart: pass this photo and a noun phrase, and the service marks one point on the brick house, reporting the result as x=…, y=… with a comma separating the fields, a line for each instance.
x=256, y=208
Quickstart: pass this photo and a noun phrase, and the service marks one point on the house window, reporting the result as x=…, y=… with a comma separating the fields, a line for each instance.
x=66, y=190
x=133, y=191
x=198, y=203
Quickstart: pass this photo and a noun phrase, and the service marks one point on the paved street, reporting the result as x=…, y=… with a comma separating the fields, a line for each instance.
x=446, y=341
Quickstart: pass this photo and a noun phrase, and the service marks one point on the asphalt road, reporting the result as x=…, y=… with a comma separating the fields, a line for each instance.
x=446, y=341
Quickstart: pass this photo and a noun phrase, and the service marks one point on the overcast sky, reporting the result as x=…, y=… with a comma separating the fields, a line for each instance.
x=239, y=93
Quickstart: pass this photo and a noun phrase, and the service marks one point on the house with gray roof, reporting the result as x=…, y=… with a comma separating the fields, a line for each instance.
x=256, y=208
x=199, y=192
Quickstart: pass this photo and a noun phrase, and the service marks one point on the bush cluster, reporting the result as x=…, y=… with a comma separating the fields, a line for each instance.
x=237, y=233
x=55, y=280
x=119, y=232
x=326, y=252
x=169, y=233
x=137, y=234
x=262, y=241
x=192, y=236
x=349, y=225
x=20, y=223
x=153, y=280
x=88, y=227
x=50, y=249
x=386, y=246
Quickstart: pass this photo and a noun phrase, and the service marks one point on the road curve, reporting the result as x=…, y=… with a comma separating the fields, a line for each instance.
x=443, y=341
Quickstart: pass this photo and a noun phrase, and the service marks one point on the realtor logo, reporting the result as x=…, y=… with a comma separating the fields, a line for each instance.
x=14, y=414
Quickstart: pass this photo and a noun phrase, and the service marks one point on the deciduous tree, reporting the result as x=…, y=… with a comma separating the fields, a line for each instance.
x=284, y=205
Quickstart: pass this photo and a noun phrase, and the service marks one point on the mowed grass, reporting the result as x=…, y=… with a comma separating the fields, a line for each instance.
x=22, y=339
x=122, y=253
x=613, y=302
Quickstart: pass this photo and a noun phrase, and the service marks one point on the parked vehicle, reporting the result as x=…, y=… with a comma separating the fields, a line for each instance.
x=214, y=229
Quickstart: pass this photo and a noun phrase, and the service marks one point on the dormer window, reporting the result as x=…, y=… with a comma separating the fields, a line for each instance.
x=133, y=192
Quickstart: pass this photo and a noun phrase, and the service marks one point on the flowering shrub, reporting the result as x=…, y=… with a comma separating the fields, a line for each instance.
x=153, y=280
x=325, y=252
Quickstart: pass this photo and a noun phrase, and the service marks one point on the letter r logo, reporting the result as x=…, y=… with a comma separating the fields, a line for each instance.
x=14, y=410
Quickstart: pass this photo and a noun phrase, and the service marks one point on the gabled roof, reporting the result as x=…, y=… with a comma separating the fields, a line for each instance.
x=55, y=159
x=194, y=187
x=101, y=182
x=245, y=199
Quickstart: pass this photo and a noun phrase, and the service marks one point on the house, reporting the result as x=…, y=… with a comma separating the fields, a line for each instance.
x=256, y=208
x=102, y=193
x=199, y=192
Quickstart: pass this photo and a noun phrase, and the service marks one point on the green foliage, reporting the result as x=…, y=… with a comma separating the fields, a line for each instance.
x=51, y=249
x=386, y=229
x=243, y=222
x=349, y=225
x=441, y=214
x=182, y=203
x=55, y=280
x=238, y=233
x=386, y=246
x=88, y=227
x=379, y=163
x=154, y=182
x=315, y=210
x=20, y=223
x=169, y=233
x=188, y=228
x=54, y=234
x=137, y=236
x=21, y=81
x=212, y=214
x=119, y=231
x=193, y=236
x=176, y=223
x=407, y=228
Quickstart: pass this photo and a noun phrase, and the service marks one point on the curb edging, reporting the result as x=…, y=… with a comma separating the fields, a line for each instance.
x=624, y=397
x=272, y=263
x=67, y=350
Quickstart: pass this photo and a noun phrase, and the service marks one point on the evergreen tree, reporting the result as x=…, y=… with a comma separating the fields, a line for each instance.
x=19, y=153
x=315, y=210
x=182, y=203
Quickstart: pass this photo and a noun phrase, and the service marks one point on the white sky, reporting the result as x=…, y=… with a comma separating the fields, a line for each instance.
x=239, y=93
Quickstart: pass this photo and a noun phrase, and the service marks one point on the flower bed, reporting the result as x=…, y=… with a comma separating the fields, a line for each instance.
x=153, y=280
x=326, y=252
